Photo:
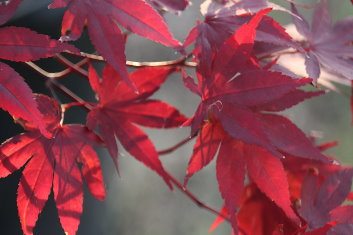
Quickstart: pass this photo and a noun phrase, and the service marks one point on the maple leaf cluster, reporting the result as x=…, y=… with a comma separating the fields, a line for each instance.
x=273, y=178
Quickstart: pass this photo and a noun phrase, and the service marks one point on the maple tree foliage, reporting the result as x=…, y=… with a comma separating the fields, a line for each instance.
x=273, y=178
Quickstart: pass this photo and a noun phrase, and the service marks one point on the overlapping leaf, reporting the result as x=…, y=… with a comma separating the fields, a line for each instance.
x=53, y=164
x=319, y=201
x=16, y=98
x=210, y=34
x=327, y=44
x=120, y=110
x=22, y=44
x=102, y=17
x=234, y=92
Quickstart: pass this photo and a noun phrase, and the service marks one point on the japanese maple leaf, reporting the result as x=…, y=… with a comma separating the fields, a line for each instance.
x=326, y=44
x=121, y=110
x=319, y=201
x=236, y=98
x=245, y=137
x=22, y=44
x=174, y=6
x=103, y=17
x=258, y=215
x=52, y=164
x=211, y=34
x=297, y=169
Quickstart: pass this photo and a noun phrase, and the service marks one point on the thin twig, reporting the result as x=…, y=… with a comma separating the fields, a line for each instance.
x=181, y=62
x=71, y=65
x=178, y=145
x=71, y=95
x=73, y=104
x=55, y=75
x=278, y=54
x=52, y=91
x=197, y=201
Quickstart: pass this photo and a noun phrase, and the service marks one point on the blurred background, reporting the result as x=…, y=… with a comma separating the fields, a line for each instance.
x=138, y=202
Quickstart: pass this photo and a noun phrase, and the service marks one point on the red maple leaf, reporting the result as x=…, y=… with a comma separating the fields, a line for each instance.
x=211, y=34
x=16, y=98
x=22, y=44
x=326, y=44
x=120, y=110
x=53, y=164
x=320, y=203
x=258, y=215
x=135, y=15
x=234, y=93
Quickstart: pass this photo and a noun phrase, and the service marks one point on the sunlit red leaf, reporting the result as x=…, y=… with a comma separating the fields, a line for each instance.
x=22, y=44
x=135, y=15
x=52, y=163
x=17, y=98
x=120, y=109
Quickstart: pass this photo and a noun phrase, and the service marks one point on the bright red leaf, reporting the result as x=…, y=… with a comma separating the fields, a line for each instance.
x=17, y=98
x=22, y=44
x=53, y=164
x=120, y=109
x=135, y=15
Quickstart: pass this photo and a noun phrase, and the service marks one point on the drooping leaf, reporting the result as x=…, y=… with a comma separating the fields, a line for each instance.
x=121, y=110
x=52, y=163
x=17, y=98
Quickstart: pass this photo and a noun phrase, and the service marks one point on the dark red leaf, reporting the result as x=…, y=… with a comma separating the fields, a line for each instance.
x=268, y=174
x=327, y=43
x=230, y=171
x=319, y=200
x=288, y=138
